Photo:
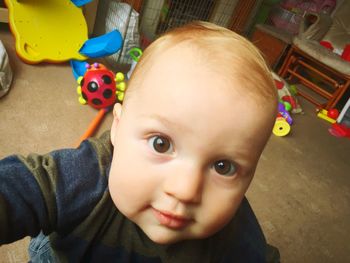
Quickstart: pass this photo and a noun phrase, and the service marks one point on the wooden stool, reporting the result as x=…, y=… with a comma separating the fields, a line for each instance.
x=272, y=42
x=297, y=63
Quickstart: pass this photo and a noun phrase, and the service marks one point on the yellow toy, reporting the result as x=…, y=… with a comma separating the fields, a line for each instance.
x=47, y=30
x=323, y=114
x=281, y=127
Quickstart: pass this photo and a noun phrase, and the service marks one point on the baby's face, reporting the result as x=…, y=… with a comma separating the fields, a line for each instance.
x=185, y=150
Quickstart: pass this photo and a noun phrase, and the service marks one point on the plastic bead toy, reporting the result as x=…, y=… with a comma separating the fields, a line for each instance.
x=283, y=120
x=100, y=88
x=281, y=127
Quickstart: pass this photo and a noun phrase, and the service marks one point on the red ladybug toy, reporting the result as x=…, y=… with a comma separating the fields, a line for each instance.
x=100, y=87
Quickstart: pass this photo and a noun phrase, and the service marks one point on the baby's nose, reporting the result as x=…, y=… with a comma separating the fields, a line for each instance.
x=185, y=184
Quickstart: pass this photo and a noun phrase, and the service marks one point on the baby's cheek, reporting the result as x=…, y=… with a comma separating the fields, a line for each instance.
x=214, y=225
x=214, y=217
x=129, y=194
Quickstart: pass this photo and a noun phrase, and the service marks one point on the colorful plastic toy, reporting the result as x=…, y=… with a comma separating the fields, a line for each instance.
x=323, y=114
x=339, y=130
x=101, y=46
x=342, y=127
x=101, y=89
x=78, y=68
x=135, y=53
x=333, y=113
x=287, y=93
x=283, y=120
x=81, y=2
x=282, y=110
x=56, y=31
x=281, y=127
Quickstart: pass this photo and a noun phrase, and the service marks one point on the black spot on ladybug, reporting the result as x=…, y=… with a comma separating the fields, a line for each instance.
x=84, y=96
x=92, y=86
x=96, y=102
x=107, y=93
x=82, y=82
x=106, y=79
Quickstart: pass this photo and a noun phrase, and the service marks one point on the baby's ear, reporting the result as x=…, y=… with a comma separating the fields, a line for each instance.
x=117, y=111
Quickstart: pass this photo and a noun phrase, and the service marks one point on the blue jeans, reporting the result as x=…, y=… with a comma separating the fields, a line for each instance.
x=39, y=250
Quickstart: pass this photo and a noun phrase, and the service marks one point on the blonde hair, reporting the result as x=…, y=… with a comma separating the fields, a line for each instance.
x=226, y=50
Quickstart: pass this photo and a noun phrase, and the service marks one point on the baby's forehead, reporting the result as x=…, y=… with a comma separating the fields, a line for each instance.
x=183, y=53
x=188, y=61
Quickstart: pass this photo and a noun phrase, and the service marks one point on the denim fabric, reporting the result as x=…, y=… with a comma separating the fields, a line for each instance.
x=40, y=250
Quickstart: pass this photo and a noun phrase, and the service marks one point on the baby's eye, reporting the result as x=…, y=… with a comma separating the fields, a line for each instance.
x=160, y=144
x=225, y=167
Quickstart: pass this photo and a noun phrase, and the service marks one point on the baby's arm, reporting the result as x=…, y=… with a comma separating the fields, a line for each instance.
x=53, y=192
x=22, y=206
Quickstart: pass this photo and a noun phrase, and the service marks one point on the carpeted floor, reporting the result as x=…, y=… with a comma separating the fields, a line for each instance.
x=301, y=192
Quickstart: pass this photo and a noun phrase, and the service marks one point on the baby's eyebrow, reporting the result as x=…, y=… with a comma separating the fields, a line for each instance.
x=167, y=122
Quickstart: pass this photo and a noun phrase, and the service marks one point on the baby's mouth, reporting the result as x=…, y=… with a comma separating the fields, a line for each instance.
x=171, y=220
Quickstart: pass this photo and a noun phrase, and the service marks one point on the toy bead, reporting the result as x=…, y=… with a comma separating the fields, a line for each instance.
x=293, y=89
x=79, y=90
x=333, y=113
x=121, y=86
x=79, y=79
x=120, y=96
x=287, y=106
x=281, y=128
x=284, y=113
x=119, y=77
x=82, y=101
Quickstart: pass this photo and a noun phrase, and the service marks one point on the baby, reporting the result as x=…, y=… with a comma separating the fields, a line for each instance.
x=199, y=109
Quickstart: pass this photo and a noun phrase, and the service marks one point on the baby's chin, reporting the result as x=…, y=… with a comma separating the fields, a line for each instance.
x=169, y=236
x=162, y=238
x=165, y=240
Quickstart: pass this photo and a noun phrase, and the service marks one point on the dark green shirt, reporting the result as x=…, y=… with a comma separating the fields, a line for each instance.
x=65, y=195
